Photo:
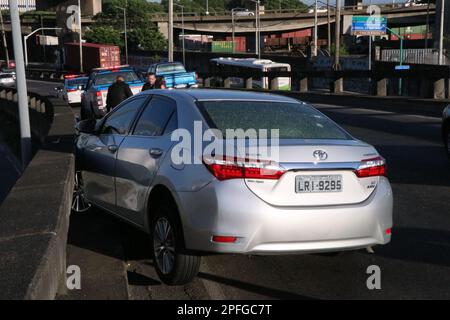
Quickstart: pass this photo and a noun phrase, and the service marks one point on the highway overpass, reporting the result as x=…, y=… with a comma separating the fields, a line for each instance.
x=288, y=20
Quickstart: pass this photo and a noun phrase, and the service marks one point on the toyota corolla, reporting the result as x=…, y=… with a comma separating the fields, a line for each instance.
x=321, y=191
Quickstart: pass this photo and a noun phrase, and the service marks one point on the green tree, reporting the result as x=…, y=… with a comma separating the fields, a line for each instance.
x=139, y=39
x=143, y=34
x=104, y=34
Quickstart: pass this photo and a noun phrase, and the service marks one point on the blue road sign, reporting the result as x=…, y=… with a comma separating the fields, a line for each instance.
x=369, y=25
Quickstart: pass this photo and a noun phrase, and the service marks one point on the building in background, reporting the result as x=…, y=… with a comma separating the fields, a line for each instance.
x=24, y=5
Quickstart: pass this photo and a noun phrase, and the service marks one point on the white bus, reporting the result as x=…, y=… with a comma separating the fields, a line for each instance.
x=238, y=66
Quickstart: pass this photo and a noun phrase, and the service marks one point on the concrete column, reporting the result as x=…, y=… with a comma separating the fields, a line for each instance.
x=207, y=82
x=439, y=89
x=249, y=83
x=381, y=87
x=337, y=86
x=226, y=83
x=274, y=84
x=303, y=84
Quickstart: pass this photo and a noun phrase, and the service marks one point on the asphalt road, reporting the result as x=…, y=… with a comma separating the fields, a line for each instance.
x=115, y=264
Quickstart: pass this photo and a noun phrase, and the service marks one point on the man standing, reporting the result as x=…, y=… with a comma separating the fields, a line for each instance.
x=117, y=92
x=151, y=82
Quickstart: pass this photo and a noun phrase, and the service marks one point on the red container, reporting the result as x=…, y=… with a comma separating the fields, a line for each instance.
x=94, y=56
x=240, y=43
x=297, y=34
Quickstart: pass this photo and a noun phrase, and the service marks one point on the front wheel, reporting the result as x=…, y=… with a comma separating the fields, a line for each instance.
x=79, y=202
x=173, y=264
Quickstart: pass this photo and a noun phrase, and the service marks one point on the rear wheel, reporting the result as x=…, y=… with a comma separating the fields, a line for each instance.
x=79, y=202
x=172, y=263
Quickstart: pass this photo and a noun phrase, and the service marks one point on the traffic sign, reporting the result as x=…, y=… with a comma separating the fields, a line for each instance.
x=369, y=25
x=402, y=67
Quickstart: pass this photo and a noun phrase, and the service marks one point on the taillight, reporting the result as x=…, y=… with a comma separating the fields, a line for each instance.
x=71, y=90
x=224, y=168
x=371, y=168
x=98, y=95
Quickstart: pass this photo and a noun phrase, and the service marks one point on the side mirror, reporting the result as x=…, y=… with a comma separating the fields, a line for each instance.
x=86, y=126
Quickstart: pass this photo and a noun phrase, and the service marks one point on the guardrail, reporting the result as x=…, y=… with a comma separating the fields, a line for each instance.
x=435, y=79
x=45, y=74
x=34, y=217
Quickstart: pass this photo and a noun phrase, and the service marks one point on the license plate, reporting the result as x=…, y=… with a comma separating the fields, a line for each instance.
x=180, y=86
x=318, y=183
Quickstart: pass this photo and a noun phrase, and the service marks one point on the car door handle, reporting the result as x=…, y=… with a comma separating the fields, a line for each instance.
x=156, y=152
x=112, y=148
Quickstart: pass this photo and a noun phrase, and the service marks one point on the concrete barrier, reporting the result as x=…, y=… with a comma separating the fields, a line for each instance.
x=34, y=217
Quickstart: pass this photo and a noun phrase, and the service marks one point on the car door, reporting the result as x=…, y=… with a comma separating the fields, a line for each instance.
x=100, y=153
x=140, y=155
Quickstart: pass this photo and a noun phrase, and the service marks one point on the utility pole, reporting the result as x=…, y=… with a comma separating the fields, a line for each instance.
x=428, y=25
x=22, y=96
x=125, y=29
x=441, y=33
x=232, y=30
x=314, y=48
x=79, y=37
x=337, y=45
x=182, y=31
x=338, y=84
x=5, y=44
x=329, y=25
x=170, y=35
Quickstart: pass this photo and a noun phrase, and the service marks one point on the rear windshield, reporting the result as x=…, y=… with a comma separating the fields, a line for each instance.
x=109, y=78
x=171, y=67
x=294, y=120
x=77, y=82
x=4, y=76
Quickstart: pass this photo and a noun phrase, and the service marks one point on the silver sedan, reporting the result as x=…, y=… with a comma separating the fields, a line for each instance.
x=161, y=161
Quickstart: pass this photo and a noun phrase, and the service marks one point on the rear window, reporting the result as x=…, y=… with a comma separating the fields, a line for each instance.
x=77, y=82
x=109, y=78
x=5, y=76
x=294, y=120
x=171, y=67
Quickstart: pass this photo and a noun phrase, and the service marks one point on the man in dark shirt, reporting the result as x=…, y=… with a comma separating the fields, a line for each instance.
x=151, y=82
x=117, y=92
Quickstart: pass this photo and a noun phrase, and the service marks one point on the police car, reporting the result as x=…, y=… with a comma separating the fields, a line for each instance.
x=93, y=99
x=73, y=88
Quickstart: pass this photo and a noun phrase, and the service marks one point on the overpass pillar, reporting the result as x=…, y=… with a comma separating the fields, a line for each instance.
x=382, y=87
x=439, y=89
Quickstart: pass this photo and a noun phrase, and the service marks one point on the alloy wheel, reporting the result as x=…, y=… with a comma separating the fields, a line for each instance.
x=164, y=245
x=79, y=202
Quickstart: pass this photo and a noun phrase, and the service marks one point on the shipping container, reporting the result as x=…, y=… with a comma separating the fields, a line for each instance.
x=222, y=46
x=240, y=43
x=94, y=56
x=297, y=34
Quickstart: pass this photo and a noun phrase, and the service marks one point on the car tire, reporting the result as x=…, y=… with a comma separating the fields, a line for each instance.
x=174, y=265
x=79, y=202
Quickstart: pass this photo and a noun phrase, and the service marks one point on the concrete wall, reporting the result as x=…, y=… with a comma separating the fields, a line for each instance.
x=34, y=217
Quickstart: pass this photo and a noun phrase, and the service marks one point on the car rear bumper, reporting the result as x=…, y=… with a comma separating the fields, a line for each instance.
x=261, y=228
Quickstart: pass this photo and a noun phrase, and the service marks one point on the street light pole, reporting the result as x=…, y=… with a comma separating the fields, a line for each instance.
x=182, y=31
x=5, y=44
x=125, y=29
x=170, y=35
x=232, y=29
x=337, y=36
x=22, y=96
x=329, y=26
x=314, y=49
x=79, y=37
x=207, y=8
x=441, y=33
x=25, y=38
